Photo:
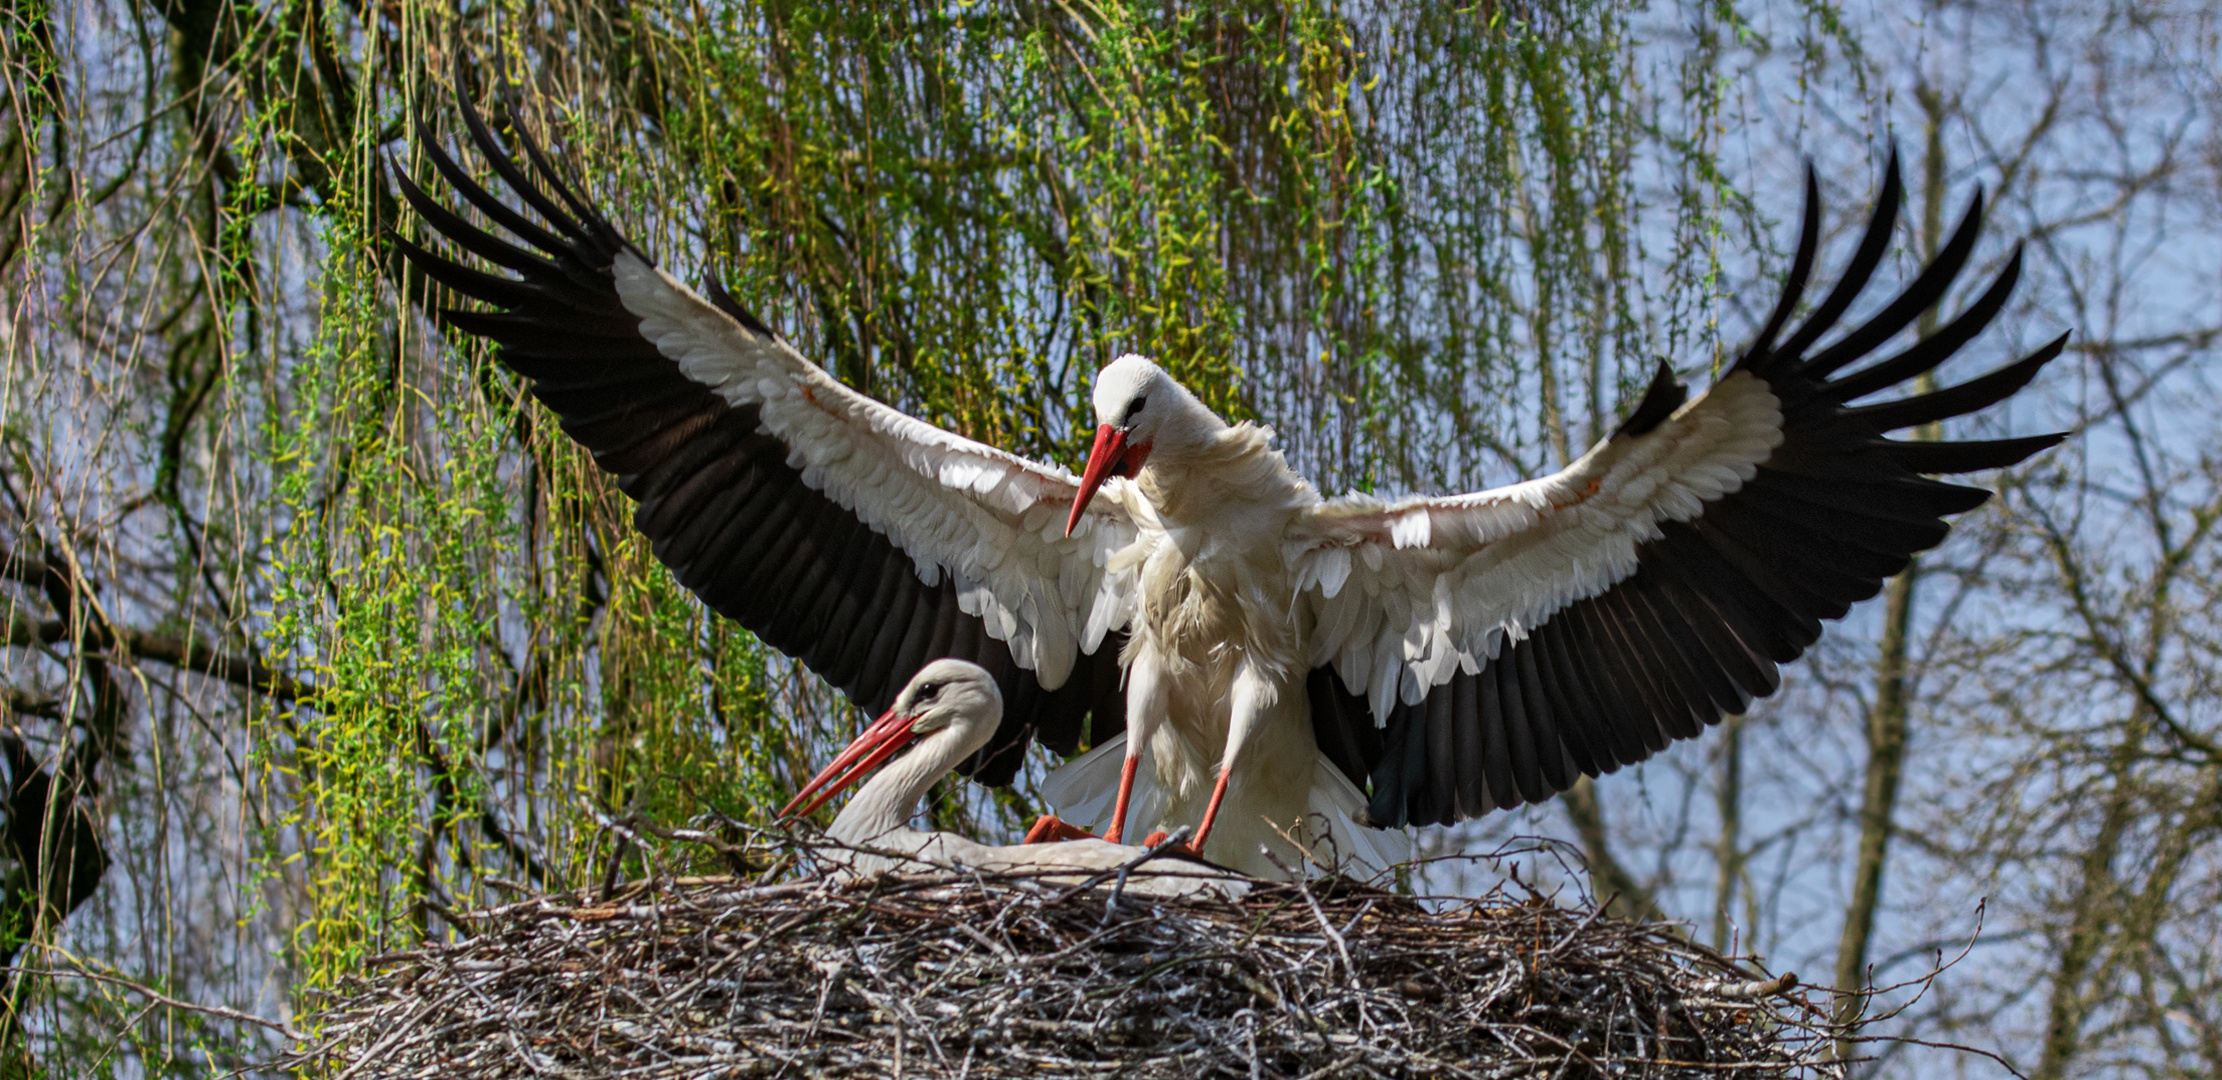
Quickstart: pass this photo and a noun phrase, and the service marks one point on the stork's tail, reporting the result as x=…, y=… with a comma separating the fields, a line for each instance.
x=1339, y=803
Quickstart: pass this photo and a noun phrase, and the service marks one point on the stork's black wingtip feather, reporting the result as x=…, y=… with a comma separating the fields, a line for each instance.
x=1660, y=399
x=390, y=242
x=1961, y=400
x=1873, y=243
x=453, y=318
x=465, y=63
x=1971, y=220
x=2022, y=449
x=391, y=239
x=1761, y=351
x=1947, y=458
x=410, y=192
x=588, y=227
x=2038, y=444
x=474, y=122
x=1893, y=198
x=1810, y=214
x=550, y=176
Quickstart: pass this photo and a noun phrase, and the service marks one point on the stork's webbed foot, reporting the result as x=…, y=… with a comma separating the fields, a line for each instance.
x=1049, y=829
x=1182, y=848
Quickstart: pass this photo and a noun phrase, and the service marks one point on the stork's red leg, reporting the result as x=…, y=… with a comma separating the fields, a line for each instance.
x=1250, y=695
x=1211, y=811
x=1126, y=793
x=1145, y=706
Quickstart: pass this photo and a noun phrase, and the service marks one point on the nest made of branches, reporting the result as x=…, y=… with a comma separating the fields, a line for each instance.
x=972, y=975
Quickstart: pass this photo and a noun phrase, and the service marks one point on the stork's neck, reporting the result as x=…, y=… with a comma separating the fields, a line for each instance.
x=888, y=800
x=1236, y=468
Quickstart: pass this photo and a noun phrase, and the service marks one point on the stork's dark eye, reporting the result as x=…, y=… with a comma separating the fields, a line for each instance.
x=1135, y=406
x=926, y=691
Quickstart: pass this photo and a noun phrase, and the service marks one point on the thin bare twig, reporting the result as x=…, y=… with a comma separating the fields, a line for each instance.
x=160, y=998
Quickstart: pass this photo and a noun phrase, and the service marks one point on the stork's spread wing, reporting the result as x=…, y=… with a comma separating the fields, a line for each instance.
x=858, y=539
x=1511, y=640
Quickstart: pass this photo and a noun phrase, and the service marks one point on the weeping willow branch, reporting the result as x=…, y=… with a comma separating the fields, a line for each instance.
x=125, y=643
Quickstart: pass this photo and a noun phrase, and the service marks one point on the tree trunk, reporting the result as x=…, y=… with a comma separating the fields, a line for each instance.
x=2091, y=918
x=1730, y=854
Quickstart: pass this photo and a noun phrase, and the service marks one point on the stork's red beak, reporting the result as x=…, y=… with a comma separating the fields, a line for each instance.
x=1111, y=456
x=879, y=742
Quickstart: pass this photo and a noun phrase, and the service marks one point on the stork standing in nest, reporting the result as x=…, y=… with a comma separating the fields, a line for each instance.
x=1277, y=658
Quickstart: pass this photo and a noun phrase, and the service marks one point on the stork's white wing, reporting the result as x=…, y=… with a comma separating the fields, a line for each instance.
x=1484, y=650
x=1410, y=592
x=991, y=519
x=858, y=539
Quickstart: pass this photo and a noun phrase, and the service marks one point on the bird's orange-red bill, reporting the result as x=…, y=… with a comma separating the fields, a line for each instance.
x=879, y=742
x=1109, y=457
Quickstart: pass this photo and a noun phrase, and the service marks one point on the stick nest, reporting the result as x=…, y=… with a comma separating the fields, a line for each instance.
x=999, y=976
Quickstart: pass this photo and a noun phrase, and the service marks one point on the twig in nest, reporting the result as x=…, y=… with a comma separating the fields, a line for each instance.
x=1178, y=837
x=1749, y=988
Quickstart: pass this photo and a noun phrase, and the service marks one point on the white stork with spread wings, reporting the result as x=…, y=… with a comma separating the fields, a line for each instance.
x=1276, y=656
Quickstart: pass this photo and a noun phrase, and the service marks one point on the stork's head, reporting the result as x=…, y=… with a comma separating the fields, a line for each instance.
x=1140, y=412
x=956, y=698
